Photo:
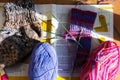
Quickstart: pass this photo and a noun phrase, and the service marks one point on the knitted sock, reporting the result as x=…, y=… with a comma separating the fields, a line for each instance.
x=81, y=25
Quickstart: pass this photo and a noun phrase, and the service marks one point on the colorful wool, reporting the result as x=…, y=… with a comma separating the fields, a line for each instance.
x=103, y=63
x=4, y=77
x=44, y=63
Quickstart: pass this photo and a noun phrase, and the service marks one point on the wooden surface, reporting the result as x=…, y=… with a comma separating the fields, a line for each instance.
x=117, y=21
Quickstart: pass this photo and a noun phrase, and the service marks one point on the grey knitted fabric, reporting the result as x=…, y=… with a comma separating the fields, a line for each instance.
x=21, y=31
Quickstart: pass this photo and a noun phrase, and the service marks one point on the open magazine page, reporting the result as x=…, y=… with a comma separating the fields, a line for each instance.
x=66, y=50
x=102, y=31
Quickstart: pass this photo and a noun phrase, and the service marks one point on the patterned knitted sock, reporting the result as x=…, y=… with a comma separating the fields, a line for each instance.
x=81, y=26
